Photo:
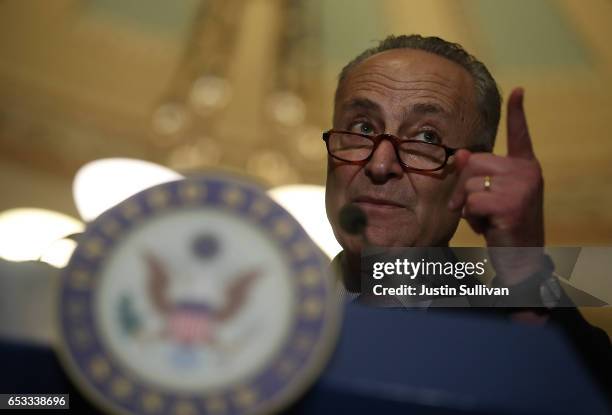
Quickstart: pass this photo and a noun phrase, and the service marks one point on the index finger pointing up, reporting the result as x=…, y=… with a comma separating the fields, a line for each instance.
x=519, y=141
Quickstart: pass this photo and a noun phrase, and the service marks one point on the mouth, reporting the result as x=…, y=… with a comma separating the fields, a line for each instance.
x=376, y=202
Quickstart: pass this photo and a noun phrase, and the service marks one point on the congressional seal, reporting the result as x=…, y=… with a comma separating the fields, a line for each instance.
x=199, y=296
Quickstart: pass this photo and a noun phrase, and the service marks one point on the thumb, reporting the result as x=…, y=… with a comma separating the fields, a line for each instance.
x=461, y=159
x=458, y=197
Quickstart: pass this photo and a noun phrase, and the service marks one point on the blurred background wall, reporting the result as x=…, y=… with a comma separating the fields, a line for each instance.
x=247, y=86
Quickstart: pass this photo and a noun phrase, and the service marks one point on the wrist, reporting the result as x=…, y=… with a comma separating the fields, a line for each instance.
x=527, y=276
x=513, y=266
x=540, y=290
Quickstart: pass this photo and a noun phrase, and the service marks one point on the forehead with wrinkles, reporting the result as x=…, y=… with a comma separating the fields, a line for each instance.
x=407, y=77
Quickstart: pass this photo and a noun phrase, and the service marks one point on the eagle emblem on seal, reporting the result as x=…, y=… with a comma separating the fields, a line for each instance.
x=186, y=322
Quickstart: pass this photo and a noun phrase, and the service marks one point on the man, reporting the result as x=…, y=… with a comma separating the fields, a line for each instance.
x=414, y=124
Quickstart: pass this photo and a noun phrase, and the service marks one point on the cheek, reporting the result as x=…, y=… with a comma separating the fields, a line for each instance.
x=433, y=195
x=338, y=178
x=437, y=222
x=433, y=190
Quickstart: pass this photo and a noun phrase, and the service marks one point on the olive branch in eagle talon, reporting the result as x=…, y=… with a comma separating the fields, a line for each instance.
x=191, y=322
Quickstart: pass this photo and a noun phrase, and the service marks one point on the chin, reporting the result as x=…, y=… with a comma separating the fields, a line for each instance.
x=382, y=238
x=378, y=237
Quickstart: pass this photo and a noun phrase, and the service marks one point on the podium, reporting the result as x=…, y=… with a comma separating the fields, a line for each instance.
x=402, y=361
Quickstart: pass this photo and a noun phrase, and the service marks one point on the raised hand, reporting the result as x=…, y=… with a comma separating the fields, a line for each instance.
x=501, y=197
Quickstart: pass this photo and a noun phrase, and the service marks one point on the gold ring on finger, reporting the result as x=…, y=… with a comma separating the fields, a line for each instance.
x=487, y=183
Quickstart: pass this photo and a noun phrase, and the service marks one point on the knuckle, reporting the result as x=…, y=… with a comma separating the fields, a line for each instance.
x=471, y=201
x=471, y=184
x=482, y=160
x=522, y=203
x=478, y=157
x=507, y=223
x=535, y=168
x=534, y=184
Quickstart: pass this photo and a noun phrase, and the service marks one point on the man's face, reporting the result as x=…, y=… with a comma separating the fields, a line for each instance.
x=414, y=95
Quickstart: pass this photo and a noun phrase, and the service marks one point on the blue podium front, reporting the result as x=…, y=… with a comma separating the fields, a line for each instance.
x=402, y=361
x=450, y=362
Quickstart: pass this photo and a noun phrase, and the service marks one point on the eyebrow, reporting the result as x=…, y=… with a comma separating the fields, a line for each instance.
x=361, y=104
x=420, y=108
x=423, y=108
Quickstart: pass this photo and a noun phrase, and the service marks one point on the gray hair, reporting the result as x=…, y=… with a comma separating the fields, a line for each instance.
x=488, y=98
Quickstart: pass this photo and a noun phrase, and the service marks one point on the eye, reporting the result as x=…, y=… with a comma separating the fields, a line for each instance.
x=362, y=127
x=428, y=136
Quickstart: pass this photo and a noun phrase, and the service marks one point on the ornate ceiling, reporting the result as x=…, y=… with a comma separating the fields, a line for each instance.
x=247, y=85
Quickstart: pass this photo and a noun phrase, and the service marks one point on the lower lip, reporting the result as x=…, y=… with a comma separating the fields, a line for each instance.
x=377, y=206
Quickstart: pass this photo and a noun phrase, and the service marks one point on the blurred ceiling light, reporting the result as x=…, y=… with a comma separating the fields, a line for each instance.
x=209, y=93
x=169, y=119
x=27, y=233
x=185, y=157
x=59, y=252
x=287, y=109
x=309, y=143
x=307, y=204
x=101, y=184
x=204, y=152
x=271, y=166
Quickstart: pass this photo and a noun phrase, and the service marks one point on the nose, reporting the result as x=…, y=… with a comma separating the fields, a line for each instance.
x=384, y=164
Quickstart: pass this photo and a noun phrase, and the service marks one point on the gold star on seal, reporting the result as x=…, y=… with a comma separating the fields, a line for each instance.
x=310, y=277
x=81, y=337
x=190, y=192
x=99, y=368
x=233, y=197
x=121, y=387
x=312, y=308
x=260, y=208
x=94, y=247
x=283, y=228
x=300, y=250
x=111, y=227
x=215, y=405
x=130, y=209
x=152, y=402
x=245, y=397
x=80, y=279
x=184, y=408
x=158, y=198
